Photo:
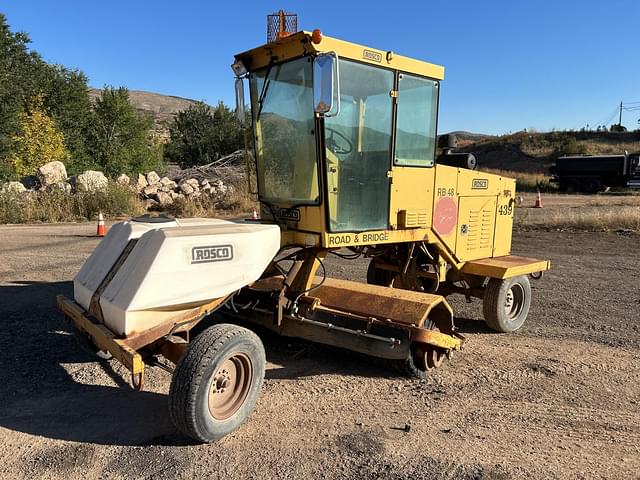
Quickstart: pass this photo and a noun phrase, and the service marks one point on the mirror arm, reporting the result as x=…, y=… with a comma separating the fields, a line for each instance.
x=337, y=88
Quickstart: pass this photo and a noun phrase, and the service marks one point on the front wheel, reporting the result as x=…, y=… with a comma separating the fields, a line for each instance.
x=217, y=382
x=506, y=303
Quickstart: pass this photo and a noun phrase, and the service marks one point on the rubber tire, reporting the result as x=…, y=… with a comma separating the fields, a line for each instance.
x=191, y=382
x=570, y=186
x=593, y=185
x=409, y=367
x=495, y=294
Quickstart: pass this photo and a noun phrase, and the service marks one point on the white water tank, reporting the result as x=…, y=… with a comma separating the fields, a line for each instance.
x=171, y=267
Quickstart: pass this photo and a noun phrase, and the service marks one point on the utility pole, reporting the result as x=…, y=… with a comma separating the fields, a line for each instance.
x=620, y=119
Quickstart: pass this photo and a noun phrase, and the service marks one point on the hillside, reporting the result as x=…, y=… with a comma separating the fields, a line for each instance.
x=521, y=151
x=536, y=152
x=161, y=107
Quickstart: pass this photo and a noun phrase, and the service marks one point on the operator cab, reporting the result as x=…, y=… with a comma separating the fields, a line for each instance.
x=331, y=121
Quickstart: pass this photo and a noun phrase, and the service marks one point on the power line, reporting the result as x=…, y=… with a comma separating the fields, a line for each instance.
x=609, y=118
x=622, y=106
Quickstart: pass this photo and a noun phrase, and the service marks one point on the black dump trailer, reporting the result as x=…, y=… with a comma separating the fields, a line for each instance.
x=593, y=173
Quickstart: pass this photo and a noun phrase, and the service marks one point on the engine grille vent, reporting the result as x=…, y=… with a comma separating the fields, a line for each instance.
x=480, y=229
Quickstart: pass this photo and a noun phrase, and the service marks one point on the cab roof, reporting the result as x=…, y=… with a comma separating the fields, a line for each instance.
x=300, y=44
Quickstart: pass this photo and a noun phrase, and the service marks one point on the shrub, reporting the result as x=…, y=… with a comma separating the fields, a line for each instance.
x=38, y=140
x=567, y=145
x=199, y=135
x=527, y=181
x=60, y=206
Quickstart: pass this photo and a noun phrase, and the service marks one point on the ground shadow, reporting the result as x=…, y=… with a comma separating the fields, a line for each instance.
x=471, y=325
x=299, y=359
x=41, y=398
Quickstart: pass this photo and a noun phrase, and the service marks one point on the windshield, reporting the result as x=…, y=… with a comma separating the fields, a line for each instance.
x=284, y=132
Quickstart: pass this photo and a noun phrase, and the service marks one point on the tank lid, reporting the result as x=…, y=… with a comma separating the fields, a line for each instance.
x=153, y=219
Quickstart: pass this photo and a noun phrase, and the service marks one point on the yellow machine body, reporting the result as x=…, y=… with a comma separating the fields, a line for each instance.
x=466, y=214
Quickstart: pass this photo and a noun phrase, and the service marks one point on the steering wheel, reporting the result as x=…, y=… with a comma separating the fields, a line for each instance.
x=334, y=146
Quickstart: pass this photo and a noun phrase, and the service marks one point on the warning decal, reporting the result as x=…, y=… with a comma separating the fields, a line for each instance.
x=445, y=215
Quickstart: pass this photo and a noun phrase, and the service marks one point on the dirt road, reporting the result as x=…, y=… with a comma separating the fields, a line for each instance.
x=559, y=399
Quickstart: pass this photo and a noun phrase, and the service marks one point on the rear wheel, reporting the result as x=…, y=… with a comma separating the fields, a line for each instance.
x=570, y=186
x=592, y=185
x=217, y=382
x=506, y=303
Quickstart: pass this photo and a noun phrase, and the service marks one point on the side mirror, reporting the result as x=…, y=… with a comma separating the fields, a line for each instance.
x=240, y=113
x=326, y=85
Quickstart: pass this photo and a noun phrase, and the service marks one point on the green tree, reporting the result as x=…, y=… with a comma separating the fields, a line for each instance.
x=119, y=138
x=38, y=140
x=566, y=144
x=616, y=127
x=16, y=66
x=201, y=134
x=23, y=75
x=69, y=104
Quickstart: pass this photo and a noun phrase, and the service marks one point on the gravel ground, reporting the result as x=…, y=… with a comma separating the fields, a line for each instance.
x=558, y=399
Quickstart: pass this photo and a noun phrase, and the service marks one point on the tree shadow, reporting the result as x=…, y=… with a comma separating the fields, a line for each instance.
x=41, y=398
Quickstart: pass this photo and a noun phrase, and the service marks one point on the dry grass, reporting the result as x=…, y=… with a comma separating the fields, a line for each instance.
x=117, y=201
x=59, y=206
x=526, y=181
x=236, y=202
x=591, y=217
x=595, y=147
x=615, y=201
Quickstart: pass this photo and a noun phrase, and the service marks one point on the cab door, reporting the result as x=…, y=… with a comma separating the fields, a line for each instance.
x=358, y=149
x=413, y=173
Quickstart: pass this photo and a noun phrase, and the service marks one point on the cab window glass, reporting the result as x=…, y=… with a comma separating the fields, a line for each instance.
x=416, y=124
x=358, y=149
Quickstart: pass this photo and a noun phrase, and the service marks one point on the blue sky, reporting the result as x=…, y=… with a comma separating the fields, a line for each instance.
x=509, y=64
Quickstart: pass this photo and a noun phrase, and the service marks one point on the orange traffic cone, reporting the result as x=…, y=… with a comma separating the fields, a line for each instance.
x=102, y=230
x=254, y=215
x=538, y=201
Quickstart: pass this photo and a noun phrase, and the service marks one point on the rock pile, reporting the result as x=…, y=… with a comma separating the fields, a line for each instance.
x=157, y=192
x=162, y=192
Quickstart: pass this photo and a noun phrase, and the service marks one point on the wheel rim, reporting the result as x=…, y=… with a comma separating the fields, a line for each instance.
x=514, y=301
x=429, y=357
x=433, y=357
x=230, y=386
